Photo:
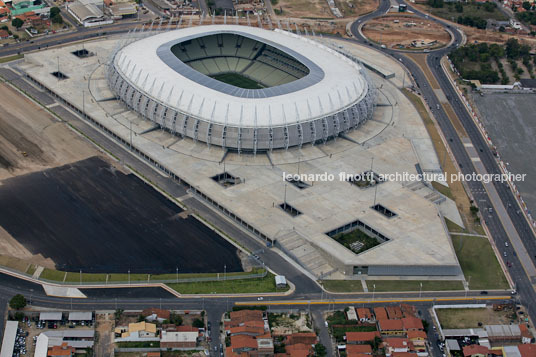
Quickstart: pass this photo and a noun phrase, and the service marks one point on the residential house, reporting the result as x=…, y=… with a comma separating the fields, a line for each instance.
x=360, y=338
x=364, y=315
x=527, y=350
x=394, y=312
x=307, y=338
x=391, y=327
x=174, y=339
x=356, y=350
x=299, y=350
x=61, y=351
x=154, y=314
x=380, y=313
x=412, y=324
x=397, y=344
x=526, y=335
x=418, y=339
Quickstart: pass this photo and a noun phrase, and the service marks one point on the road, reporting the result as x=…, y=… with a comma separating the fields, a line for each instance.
x=497, y=225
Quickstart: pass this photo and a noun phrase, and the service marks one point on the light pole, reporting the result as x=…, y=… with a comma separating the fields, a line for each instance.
x=420, y=291
x=80, y=276
x=177, y=275
x=129, y=277
x=224, y=271
x=373, y=291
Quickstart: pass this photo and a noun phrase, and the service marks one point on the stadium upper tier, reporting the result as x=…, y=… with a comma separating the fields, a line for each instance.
x=306, y=91
x=232, y=53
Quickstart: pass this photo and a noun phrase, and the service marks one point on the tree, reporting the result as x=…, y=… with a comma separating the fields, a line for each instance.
x=459, y=7
x=526, y=5
x=320, y=350
x=57, y=19
x=512, y=48
x=17, y=302
x=198, y=323
x=54, y=11
x=16, y=22
x=175, y=319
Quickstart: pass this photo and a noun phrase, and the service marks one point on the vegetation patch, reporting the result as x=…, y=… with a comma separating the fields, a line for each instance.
x=261, y=285
x=341, y=286
x=484, y=62
x=413, y=285
x=479, y=263
x=469, y=14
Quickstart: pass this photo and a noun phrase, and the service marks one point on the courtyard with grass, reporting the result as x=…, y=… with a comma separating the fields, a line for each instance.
x=357, y=241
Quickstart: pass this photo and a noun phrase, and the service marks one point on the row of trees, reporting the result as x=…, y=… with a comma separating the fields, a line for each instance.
x=473, y=21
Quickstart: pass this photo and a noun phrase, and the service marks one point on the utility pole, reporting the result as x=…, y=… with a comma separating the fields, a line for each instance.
x=177, y=275
x=285, y=198
x=129, y=277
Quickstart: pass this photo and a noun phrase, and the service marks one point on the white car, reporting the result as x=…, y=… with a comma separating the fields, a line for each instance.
x=506, y=244
x=260, y=298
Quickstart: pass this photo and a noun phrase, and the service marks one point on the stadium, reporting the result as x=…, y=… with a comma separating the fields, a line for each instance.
x=241, y=88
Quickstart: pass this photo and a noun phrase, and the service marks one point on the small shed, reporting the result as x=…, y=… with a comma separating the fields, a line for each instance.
x=280, y=281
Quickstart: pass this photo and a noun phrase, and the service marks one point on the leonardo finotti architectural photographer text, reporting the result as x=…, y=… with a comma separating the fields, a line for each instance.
x=404, y=177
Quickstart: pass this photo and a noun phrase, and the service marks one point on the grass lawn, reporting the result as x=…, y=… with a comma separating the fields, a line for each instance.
x=454, y=228
x=449, y=12
x=341, y=286
x=51, y=274
x=264, y=285
x=157, y=277
x=469, y=318
x=237, y=80
x=74, y=277
x=444, y=190
x=10, y=58
x=478, y=261
x=413, y=285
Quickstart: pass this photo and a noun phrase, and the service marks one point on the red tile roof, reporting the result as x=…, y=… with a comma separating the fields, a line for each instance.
x=245, y=315
x=525, y=332
x=361, y=336
x=363, y=313
x=397, y=342
x=475, y=349
x=394, y=312
x=528, y=350
x=4, y=34
x=412, y=323
x=354, y=349
x=243, y=341
x=163, y=314
x=380, y=313
x=249, y=330
x=299, y=350
x=390, y=325
x=404, y=354
x=308, y=338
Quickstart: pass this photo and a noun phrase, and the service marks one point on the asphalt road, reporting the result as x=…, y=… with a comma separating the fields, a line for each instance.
x=526, y=293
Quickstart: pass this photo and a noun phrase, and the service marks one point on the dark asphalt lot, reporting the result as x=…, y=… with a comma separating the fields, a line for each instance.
x=89, y=216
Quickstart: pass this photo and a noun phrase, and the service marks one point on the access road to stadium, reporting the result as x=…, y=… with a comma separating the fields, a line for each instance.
x=503, y=224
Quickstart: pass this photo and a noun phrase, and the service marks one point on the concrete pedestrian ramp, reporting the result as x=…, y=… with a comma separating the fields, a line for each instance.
x=63, y=291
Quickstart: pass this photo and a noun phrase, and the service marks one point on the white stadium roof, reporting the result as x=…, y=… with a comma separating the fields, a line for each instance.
x=334, y=83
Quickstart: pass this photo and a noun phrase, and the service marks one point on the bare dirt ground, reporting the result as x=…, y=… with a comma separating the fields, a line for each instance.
x=104, y=327
x=469, y=318
x=286, y=324
x=31, y=139
x=400, y=34
x=319, y=9
x=305, y=8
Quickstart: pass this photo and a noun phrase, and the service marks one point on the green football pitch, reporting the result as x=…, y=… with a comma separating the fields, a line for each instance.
x=237, y=80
